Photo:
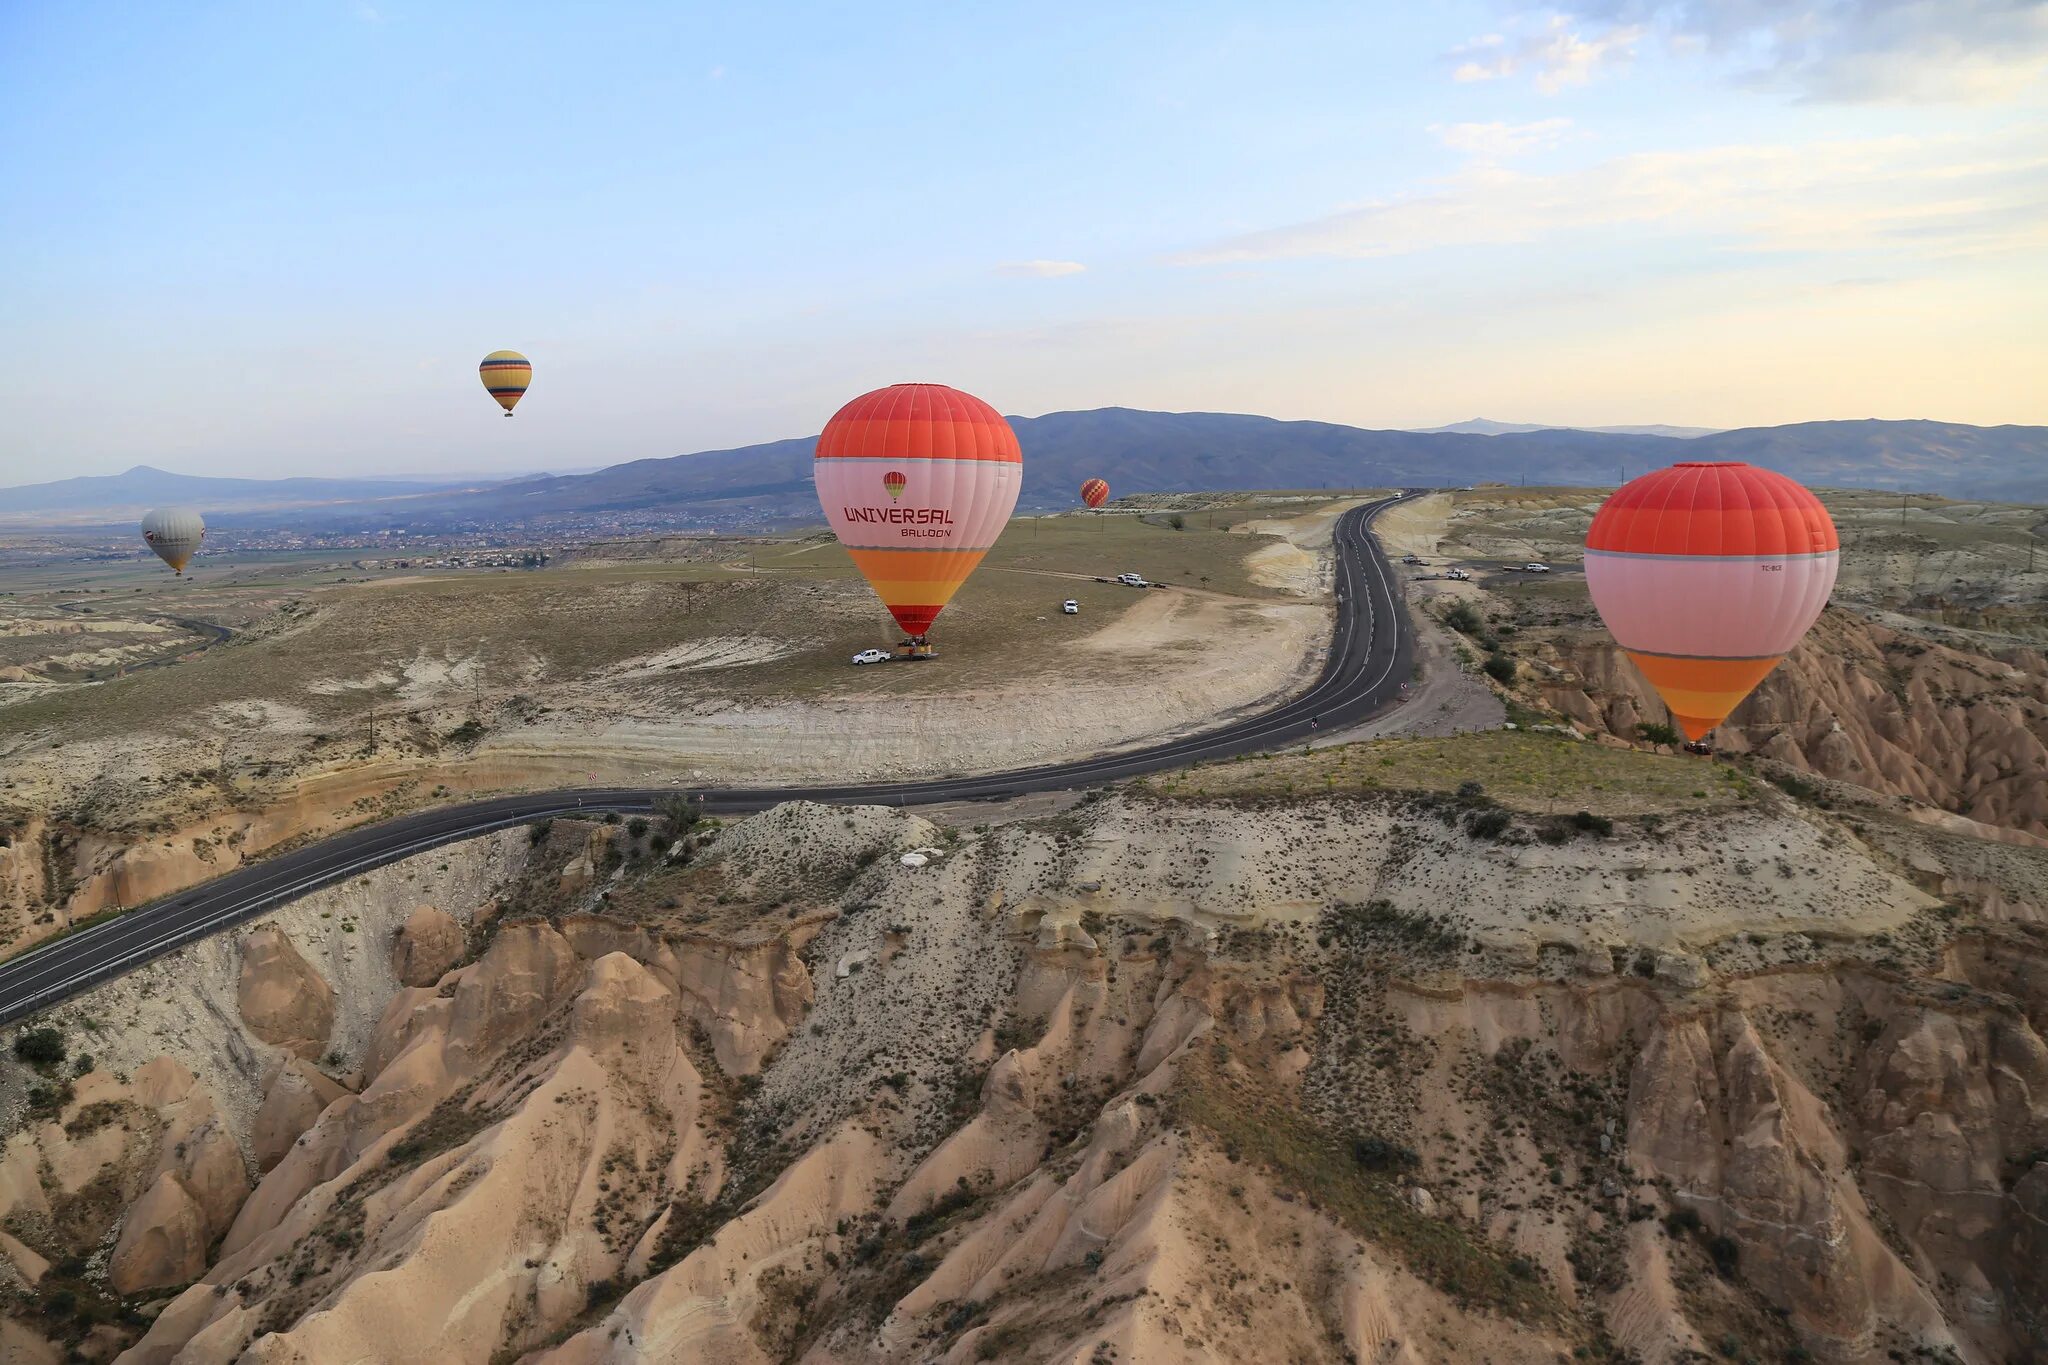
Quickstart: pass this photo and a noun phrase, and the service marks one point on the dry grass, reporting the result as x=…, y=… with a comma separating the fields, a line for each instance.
x=1256, y=1124
x=338, y=651
x=1535, y=773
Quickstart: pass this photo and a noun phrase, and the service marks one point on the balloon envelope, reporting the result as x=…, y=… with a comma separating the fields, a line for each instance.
x=506, y=374
x=917, y=481
x=1095, y=492
x=174, y=533
x=1707, y=575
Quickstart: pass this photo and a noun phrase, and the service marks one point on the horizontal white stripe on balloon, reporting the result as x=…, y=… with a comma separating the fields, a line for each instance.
x=970, y=499
x=1709, y=606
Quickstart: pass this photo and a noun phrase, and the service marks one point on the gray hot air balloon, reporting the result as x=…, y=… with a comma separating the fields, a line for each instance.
x=174, y=533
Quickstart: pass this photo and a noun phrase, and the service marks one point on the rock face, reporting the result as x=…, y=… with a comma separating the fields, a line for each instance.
x=430, y=943
x=291, y=1102
x=162, y=1242
x=1013, y=1135
x=282, y=999
x=1866, y=704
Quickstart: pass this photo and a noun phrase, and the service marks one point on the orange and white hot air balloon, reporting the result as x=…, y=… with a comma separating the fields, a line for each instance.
x=1095, y=492
x=917, y=481
x=1707, y=575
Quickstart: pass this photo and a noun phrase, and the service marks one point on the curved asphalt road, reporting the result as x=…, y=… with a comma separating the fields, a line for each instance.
x=1371, y=654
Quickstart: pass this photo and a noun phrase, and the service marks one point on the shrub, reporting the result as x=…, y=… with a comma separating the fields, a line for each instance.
x=1469, y=790
x=1177, y=521
x=1500, y=667
x=1376, y=1153
x=1488, y=824
x=681, y=811
x=1590, y=823
x=1680, y=1221
x=39, y=1047
x=537, y=832
x=1463, y=619
x=1727, y=1253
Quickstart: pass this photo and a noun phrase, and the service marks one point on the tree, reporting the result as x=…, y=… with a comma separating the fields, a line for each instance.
x=1658, y=734
x=1500, y=667
x=1176, y=521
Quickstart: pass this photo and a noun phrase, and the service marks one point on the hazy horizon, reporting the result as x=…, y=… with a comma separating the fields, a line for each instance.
x=263, y=242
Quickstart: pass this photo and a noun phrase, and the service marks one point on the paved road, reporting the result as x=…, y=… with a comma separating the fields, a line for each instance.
x=1371, y=655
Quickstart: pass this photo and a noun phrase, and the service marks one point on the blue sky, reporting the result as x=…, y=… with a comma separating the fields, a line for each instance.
x=268, y=239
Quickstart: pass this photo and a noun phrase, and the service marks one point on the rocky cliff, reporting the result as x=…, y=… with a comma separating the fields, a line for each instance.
x=1318, y=1078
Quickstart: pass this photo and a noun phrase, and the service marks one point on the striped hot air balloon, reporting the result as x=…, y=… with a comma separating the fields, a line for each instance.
x=506, y=374
x=950, y=469
x=1095, y=492
x=1707, y=575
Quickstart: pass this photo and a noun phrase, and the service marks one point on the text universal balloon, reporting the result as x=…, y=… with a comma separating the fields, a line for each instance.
x=174, y=533
x=1095, y=492
x=506, y=374
x=1707, y=575
x=917, y=481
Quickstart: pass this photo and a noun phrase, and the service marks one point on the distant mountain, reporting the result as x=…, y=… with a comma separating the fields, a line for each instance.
x=144, y=487
x=1486, y=426
x=1147, y=452
x=1141, y=451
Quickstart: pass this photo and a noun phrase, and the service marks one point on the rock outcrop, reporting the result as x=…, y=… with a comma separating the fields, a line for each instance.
x=292, y=1102
x=162, y=1242
x=430, y=943
x=282, y=999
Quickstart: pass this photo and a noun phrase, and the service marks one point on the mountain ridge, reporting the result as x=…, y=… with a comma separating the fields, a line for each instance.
x=1144, y=451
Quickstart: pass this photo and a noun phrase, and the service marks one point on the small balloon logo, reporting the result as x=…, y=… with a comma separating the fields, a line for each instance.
x=895, y=483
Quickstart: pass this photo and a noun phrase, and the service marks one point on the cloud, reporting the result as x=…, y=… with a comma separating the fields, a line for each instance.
x=1921, y=198
x=1826, y=51
x=1500, y=141
x=1553, y=53
x=1040, y=270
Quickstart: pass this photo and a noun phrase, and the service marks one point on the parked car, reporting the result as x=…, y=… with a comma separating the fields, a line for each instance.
x=1535, y=568
x=1458, y=574
x=1411, y=559
x=872, y=656
x=1071, y=607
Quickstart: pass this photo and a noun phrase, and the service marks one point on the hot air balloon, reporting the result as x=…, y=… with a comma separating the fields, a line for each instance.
x=1095, y=492
x=506, y=374
x=917, y=481
x=1707, y=574
x=174, y=533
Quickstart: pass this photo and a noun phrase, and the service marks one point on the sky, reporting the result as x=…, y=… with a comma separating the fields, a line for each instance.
x=266, y=239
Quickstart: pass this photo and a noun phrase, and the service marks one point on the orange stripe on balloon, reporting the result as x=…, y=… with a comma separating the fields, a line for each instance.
x=1701, y=692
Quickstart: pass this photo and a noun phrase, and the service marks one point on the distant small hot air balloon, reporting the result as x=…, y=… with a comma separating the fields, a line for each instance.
x=1707, y=575
x=1095, y=492
x=506, y=374
x=951, y=469
x=174, y=533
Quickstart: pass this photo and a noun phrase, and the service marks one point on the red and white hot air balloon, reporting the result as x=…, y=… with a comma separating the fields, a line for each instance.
x=1708, y=574
x=917, y=481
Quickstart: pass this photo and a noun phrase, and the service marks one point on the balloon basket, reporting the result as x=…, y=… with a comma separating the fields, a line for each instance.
x=916, y=649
